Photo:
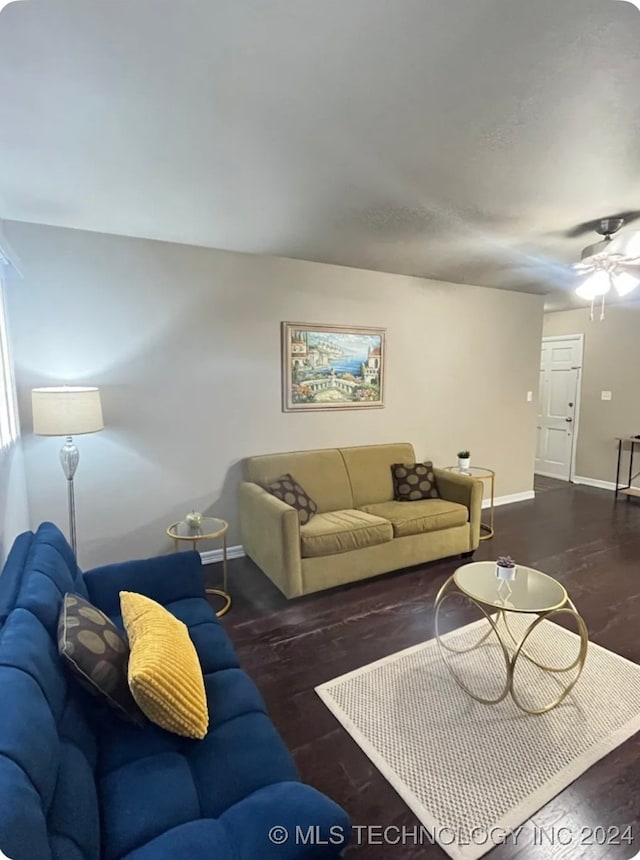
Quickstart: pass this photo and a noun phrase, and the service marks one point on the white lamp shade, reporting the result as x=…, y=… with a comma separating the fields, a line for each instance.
x=66, y=411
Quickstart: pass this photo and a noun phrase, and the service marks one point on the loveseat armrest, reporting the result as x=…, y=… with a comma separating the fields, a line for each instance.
x=465, y=491
x=163, y=579
x=271, y=537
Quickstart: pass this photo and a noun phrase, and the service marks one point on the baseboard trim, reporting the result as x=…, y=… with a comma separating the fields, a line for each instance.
x=215, y=555
x=594, y=482
x=510, y=500
x=556, y=477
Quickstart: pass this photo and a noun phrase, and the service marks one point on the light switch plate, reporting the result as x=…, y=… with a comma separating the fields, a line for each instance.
x=606, y=395
x=529, y=396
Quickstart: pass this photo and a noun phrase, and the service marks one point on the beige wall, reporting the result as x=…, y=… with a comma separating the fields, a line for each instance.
x=611, y=363
x=185, y=343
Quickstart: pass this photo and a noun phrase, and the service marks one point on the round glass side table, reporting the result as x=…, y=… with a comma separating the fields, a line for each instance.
x=481, y=474
x=209, y=529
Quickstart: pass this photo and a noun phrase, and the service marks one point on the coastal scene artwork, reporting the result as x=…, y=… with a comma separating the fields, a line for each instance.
x=331, y=367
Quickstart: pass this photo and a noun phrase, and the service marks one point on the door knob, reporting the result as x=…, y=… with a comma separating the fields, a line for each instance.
x=568, y=420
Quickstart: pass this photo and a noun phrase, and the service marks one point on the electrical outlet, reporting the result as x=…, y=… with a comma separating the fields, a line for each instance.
x=529, y=396
x=605, y=395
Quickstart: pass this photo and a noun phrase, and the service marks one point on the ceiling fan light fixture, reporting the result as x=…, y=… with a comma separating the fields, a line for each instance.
x=595, y=285
x=625, y=283
x=606, y=264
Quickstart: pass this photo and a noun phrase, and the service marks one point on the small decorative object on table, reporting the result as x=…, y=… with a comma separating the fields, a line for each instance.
x=505, y=568
x=464, y=460
x=193, y=520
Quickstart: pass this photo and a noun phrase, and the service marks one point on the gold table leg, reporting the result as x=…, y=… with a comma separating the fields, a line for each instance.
x=488, y=528
x=222, y=592
x=520, y=651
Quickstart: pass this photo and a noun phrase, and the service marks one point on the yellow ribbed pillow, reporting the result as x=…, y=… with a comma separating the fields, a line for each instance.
x=165, y=677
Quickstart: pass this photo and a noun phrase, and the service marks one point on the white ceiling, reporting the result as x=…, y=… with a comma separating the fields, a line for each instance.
x=454, y=139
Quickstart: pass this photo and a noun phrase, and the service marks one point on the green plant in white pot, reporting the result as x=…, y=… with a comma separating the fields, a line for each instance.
x=464, y=460
x=505, y=568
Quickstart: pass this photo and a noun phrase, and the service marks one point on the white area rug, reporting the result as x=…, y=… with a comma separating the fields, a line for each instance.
x=471, y=772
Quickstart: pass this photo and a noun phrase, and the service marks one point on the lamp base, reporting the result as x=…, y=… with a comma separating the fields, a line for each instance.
x=69, y=458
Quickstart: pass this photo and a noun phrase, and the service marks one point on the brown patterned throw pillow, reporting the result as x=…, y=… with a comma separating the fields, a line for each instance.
x=414, y=481
x=97, y=654
x=288, y=490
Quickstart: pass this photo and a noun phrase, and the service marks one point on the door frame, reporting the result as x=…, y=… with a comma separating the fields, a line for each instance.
x=576, y=421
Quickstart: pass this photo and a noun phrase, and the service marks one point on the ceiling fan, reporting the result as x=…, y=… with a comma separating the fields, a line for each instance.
x=613, y=263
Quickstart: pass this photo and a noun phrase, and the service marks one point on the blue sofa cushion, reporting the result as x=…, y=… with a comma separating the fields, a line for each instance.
x=78, y=784
x=184, y=780
x=315, y=828
x=164, y=579
x=48, y=751
x=52, y=570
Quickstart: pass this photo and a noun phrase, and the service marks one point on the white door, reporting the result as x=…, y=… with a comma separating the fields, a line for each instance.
x=558, y=407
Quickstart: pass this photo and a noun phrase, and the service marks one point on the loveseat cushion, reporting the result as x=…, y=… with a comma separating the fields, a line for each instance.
x=414, y=518
x=342, y=531
x=322, y=474
x=369, y=468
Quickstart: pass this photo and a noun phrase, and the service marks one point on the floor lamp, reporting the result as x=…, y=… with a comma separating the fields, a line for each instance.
x=67, y=411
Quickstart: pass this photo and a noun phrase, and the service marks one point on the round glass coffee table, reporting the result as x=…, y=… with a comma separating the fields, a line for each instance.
x=209, y=529
x=529, y=593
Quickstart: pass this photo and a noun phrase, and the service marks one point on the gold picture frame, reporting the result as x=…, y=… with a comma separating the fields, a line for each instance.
x=327, y=367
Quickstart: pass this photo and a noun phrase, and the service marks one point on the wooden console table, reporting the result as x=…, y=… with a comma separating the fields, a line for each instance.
x=626, y=489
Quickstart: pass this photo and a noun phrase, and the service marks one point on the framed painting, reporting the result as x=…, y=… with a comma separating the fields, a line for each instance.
x=332, y=367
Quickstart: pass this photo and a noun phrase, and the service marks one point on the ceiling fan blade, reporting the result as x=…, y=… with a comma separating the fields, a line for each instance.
x=583, y=267
x=593, y=225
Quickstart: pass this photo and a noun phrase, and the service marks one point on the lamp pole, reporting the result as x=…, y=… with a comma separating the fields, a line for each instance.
x=69, y=459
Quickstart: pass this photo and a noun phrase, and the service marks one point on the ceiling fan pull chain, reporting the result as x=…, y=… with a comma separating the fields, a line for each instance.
x=591, y=314
x=602, y=310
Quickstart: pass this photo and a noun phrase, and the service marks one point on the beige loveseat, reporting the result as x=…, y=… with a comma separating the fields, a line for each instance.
x=359, y=530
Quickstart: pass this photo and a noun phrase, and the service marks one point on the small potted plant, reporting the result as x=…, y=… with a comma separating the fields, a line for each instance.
x=464, y=460
x=505, y=568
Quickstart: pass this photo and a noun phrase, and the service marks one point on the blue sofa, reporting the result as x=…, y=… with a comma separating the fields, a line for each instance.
x=77, y=783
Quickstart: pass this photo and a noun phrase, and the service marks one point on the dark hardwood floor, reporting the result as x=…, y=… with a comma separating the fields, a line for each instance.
x=574, y=533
